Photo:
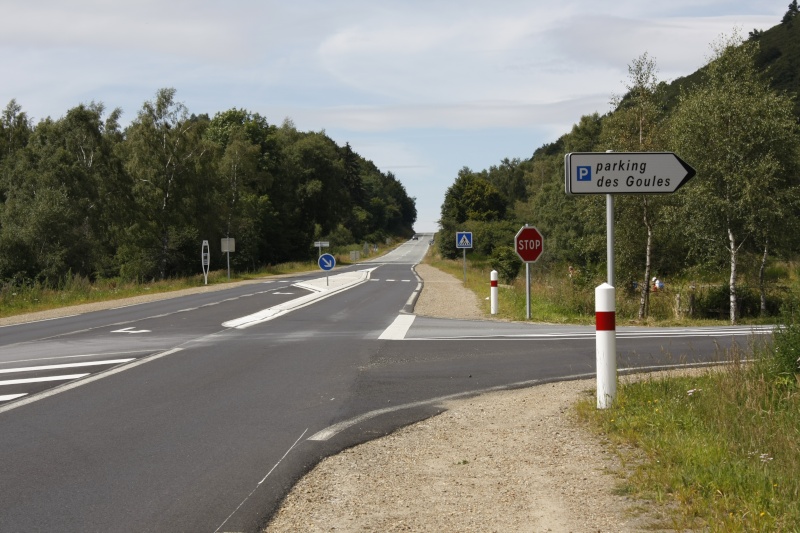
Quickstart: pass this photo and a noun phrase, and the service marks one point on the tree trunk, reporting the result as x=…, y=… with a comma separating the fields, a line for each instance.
x=761, y=282
x=733, y=250
x=644, y=301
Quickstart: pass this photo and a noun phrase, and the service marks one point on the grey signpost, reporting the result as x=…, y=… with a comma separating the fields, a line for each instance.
x=464, y=241
x=228, y=245
x=613, y=173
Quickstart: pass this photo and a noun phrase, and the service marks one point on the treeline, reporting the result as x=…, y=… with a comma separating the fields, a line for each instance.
x=82, y=196
x=728, y=224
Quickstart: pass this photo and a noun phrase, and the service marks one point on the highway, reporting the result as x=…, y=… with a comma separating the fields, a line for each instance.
x=199, y=413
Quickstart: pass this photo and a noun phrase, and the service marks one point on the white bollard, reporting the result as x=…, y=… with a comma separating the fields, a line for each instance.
x=493, y=290
x=606, y=345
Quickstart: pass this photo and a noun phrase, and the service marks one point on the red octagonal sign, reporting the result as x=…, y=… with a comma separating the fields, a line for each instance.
x=528, y=244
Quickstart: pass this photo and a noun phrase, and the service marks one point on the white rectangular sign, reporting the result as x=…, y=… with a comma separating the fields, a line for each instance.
x=625, y=173
x=228, y=245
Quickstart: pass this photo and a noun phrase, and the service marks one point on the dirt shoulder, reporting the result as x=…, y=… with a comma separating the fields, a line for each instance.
x=508, y=462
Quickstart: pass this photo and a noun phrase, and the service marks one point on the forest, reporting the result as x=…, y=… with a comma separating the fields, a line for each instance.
x=733, y=227
x=82, y=196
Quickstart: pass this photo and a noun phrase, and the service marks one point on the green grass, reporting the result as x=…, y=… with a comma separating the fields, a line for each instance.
x=720, y=450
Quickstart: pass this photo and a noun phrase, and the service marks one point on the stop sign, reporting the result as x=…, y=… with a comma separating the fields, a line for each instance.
x=528, y=244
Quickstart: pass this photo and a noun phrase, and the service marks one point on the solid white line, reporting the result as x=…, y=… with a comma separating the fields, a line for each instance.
x=333, y=430
x=262, y=481
x=397, y=330
x=39, y=380
x=9, y=397
x=72, y=356
x=90, y=379
x=66, y=365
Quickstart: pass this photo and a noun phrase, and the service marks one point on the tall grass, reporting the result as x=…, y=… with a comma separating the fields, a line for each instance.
x=723, y=446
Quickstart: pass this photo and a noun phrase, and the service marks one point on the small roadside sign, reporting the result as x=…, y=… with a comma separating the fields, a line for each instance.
x=322, y=244
x=463, y=239
x=326, y=262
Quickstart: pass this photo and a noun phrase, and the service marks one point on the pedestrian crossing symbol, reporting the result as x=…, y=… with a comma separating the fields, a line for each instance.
x=463, y=239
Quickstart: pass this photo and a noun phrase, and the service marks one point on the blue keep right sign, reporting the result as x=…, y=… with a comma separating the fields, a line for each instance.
x=326, y=261
x=463, y=239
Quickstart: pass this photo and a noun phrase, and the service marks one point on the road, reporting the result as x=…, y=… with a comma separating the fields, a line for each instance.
x=200, y=412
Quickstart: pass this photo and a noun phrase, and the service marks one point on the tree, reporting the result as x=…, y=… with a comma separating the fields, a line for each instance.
x=164, y=157
x=635, y=126
x=742, y=139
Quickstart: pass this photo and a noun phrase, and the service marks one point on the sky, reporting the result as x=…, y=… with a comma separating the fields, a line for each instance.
x=422, y=88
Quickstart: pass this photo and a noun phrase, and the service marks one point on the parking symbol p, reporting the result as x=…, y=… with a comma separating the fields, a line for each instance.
x=585, y=173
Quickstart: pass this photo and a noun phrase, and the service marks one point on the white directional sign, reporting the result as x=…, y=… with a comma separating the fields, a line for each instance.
x=625, y=173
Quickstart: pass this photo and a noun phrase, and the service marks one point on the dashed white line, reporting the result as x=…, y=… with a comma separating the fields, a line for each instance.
x=40, y=380
x=65, y=365
x=9, y=397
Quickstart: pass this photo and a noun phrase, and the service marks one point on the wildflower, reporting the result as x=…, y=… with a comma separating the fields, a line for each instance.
x=691, y=392
x=765, y=458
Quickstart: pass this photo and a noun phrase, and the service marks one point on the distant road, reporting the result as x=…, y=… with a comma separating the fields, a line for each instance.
x=156, y=417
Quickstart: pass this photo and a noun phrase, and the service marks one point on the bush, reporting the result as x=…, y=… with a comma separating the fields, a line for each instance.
x=506, y=262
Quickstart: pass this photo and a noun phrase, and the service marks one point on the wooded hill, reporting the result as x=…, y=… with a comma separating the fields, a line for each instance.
x=82, y=196
x=735, y=121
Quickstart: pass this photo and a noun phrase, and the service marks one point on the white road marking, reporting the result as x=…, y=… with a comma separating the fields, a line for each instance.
x=398, y=329
x=131, y=330
x=74, y=356
x=9, y=397
x=40, y=380
x=90, y=379
x=262, y=481
x=66, y=365
x=335, y=429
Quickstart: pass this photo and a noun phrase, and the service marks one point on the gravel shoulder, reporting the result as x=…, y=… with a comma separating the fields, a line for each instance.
x=509, y=461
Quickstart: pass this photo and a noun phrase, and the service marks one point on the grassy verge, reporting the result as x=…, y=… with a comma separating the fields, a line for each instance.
x=721, y=449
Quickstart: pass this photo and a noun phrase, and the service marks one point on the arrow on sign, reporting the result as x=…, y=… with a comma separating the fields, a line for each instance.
x=625, y=173
x=326, y=261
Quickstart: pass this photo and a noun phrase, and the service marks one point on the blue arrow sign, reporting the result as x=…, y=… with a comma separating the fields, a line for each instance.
x=326, y=261
x=464, y=239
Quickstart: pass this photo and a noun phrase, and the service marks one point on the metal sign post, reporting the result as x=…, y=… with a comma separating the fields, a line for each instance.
x=528, y=243
x=464, y=241
x=613, y=173
x=326, y=262
x=205, y=260
x=228, y=246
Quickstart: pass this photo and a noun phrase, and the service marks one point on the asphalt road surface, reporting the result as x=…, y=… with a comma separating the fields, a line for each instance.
x=199, y=413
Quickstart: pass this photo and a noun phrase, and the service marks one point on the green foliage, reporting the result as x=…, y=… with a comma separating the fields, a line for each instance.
x=78, y=195
x=721, y=449
x=506, y=262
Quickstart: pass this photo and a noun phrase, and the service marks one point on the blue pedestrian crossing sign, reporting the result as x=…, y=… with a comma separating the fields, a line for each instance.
x=326, y=261
x=463, y=239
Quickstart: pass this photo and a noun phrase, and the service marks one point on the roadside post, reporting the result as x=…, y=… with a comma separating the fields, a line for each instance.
x=326, y=262
x=493, y=291
x=319, y=245
x=613, y=173
x=529, y=244
x=204, y=260
x=464, y=241
x=605, y=344
x=228, y=245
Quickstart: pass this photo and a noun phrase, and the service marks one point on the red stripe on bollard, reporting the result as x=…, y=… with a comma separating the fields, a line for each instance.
x=494, y=283
x=605, y=320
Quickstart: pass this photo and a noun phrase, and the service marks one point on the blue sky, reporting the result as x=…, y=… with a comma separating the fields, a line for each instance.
x=420, y=87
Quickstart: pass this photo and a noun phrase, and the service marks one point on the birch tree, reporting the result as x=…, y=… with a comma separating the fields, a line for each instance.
x=741, y=137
